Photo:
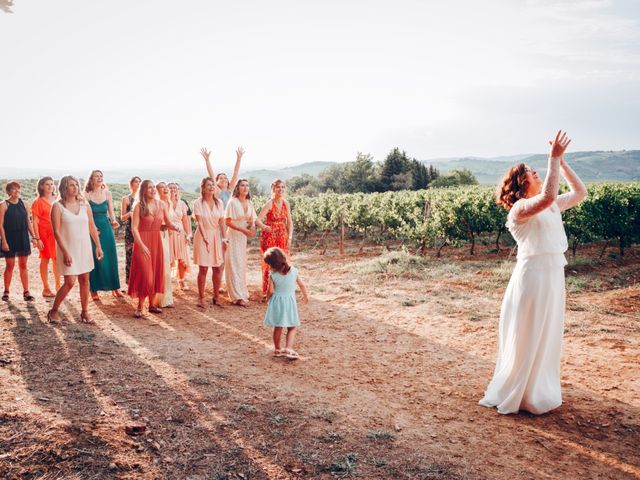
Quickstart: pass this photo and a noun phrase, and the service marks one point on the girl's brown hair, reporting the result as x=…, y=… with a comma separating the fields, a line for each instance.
x=88, y=185
x=133, y=179
x=236, y=189
x=277, y=260
x=513, y=187
x=141, y=197
x=40, y=185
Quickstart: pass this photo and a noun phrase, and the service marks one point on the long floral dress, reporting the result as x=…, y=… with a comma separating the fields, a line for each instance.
x=128, y=239
x=276, y=219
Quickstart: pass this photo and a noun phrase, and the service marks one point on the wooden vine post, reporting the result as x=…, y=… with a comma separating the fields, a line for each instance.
x=341, y=233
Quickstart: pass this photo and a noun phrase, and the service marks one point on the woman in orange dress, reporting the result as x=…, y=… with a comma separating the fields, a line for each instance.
x=277, y=227
x=41, y=211
x=146, y=277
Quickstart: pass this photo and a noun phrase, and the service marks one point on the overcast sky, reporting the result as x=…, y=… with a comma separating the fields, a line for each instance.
x=144, y=83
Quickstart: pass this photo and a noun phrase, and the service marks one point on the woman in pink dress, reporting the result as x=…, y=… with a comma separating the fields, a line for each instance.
x=209, y=242
x=41, y=211
x=180, y=255
x=146, y=278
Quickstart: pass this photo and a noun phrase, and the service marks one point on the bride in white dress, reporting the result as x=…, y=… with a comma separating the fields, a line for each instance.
x=527, y=373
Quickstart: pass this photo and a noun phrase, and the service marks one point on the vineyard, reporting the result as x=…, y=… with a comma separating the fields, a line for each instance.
x=435, y=218
x=465, y=215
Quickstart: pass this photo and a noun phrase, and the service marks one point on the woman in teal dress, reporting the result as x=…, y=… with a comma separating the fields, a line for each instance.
x=104, y=276
x=282, y=310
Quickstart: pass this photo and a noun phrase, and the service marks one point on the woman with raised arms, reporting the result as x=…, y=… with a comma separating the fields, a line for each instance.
x=225, y=185
x=527, y=372
x=73, y=228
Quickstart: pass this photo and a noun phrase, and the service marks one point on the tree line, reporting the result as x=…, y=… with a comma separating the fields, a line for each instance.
x=396, y=172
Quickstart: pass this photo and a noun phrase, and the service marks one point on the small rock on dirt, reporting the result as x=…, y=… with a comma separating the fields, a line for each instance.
x=135, y=429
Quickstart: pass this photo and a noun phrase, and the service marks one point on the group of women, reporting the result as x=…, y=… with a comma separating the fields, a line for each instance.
x=75, y=231
x=527, y=371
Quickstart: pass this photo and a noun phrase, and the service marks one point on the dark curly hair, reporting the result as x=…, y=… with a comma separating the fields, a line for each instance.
x=513, y=187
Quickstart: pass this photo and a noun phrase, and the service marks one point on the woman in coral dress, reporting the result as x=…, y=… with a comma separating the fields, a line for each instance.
x=146, y=279
x=240, y=218
x=277, y=227
x=209, y=242
x=41, y=211
x=179, y=242
x=527, y=372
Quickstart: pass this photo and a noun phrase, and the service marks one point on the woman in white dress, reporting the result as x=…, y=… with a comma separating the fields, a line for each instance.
x=166, y=299
x=240, y=218
x=73, y=229
x=527, y=372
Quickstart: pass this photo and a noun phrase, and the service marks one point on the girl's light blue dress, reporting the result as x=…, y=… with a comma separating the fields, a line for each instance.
x=282, y=310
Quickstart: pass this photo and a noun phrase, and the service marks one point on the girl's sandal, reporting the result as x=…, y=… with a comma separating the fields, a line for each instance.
x=279, y=353
x=48, y=294
x=291, y=354
x=200, y=303
x=155, y=310
x=27, y=296
x=5, y=296
x=138, y=314
x=50, y=318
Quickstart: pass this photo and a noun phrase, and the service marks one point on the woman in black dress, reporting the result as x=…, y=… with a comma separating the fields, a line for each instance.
x=15, y=228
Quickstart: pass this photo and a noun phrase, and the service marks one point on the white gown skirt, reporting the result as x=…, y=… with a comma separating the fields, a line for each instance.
x=166, y=299
x=527, y=373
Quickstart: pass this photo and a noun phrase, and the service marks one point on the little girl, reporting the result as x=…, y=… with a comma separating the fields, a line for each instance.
x=282, y=310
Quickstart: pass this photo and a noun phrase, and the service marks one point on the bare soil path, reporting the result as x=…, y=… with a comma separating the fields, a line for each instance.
x=392, y=369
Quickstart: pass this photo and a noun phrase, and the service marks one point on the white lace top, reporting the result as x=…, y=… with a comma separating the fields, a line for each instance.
x=543, y=233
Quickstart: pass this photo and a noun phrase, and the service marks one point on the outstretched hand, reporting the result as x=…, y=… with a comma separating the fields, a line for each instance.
x=239, y=152
x=559, y=144
x=205, y=153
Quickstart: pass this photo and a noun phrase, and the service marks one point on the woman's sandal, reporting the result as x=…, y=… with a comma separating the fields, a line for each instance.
x=5, y=296
x=155, y=310
x=279, y=353
x=216, y=301
x=201, y=304
x=117, y=294
x=138, y=314
x=84, y=318
x=50, y=318
x=48, y=294
x=27, y=296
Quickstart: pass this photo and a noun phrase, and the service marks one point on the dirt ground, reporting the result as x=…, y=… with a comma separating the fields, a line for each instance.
x=392, y=368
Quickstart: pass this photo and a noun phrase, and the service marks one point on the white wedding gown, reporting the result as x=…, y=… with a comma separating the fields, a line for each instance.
x=527, y=373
